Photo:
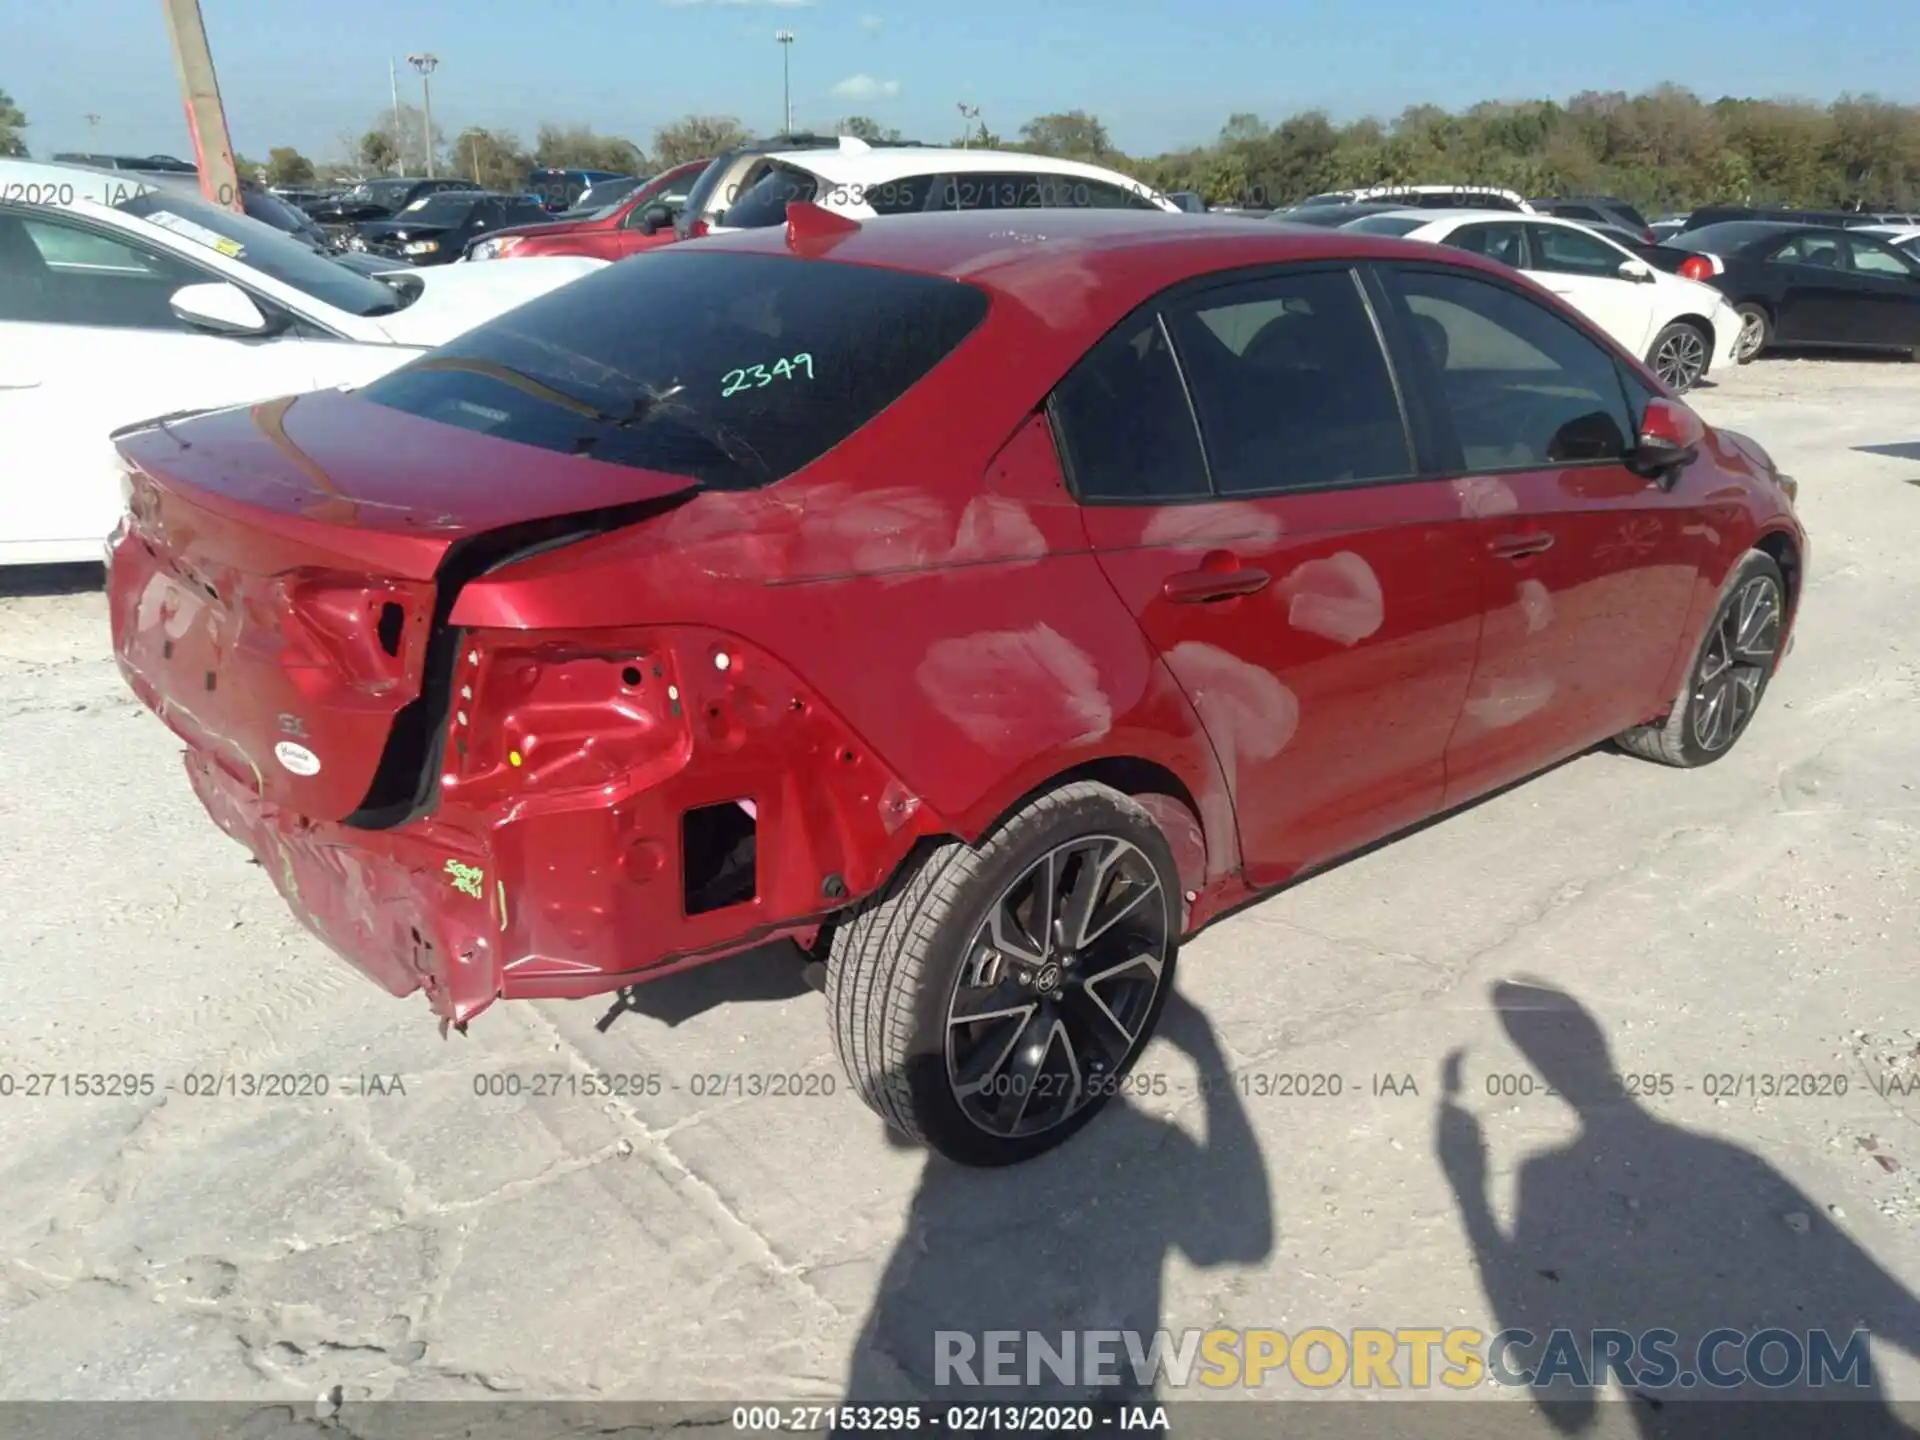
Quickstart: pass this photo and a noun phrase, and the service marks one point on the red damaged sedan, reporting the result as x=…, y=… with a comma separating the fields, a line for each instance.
x=984, y=601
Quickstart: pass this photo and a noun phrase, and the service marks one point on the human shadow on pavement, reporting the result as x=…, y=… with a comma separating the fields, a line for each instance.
x=1073, y=1241
x=1638, y=1224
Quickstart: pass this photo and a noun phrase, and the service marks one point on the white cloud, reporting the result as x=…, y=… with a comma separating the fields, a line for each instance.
x=865, y=87
x=873, y=24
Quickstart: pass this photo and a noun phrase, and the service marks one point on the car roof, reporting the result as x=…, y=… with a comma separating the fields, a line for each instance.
x=1095, y=264
x=883, y=164
x=1469, y=212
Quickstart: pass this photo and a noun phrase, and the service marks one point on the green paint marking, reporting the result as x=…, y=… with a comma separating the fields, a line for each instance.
x=466, y=878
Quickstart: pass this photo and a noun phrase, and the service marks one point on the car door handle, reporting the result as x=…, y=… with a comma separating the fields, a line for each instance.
x=1197, y=587
x=1518, y=547
x=19, y=385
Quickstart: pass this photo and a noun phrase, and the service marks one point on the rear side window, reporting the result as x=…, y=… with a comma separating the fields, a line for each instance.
x=1291, y=385
x=733, y=370
x=1123, y=416
x=1632, y=216
x=765, y=201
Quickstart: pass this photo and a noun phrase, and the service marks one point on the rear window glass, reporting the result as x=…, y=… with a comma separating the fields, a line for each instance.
x=733, y=370
x=1632, y=216
x=1386, y=224
x=1731, y=234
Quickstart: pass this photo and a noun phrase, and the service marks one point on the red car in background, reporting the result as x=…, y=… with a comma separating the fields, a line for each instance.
x=637, y=222
x=984, y=615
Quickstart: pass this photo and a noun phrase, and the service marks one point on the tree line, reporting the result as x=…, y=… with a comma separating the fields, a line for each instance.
x=1665, y=148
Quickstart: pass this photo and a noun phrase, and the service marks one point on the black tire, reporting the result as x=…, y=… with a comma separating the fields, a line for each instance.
x=1719, y=697
x=896, y=964
x=1680, y=355
x=1754, y=317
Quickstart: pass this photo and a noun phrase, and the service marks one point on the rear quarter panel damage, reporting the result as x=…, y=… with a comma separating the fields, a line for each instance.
x=954, y=620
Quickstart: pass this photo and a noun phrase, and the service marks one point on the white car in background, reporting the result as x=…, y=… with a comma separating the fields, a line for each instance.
x=1680, y=328
x=862, y=181
x=121, y=301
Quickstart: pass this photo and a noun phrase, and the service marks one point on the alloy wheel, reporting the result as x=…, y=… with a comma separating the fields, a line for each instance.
x=1753, y=330
x=1735, y=663
x=1681, y=358
x=1057, y=985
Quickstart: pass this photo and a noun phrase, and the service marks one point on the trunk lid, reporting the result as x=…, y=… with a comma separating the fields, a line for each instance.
x=280, y=591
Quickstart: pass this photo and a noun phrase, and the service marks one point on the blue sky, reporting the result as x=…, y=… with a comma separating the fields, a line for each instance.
x=1161, y=73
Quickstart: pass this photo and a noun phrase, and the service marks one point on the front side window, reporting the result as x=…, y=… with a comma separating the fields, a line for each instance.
x=1523, y=388
x=904, y=196
x=1870, y=259
x=1124, y=422
x=53, y=272
x=1291, y=385
x=1573, y=252
x=734, y=370
x=1500, y=242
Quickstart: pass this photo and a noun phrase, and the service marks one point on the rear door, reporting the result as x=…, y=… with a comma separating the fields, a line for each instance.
x=88, y=342
x=1589, y=568
x=1317, y=600
x=1584, y=270
x=1818, y=298
x=1888, y=310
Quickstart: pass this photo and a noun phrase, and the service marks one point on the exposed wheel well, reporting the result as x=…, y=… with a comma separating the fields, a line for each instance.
x=1698, y=322
x=1779, y=547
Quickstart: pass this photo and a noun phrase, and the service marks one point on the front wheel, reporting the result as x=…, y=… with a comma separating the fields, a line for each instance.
x=991, y=999
x=1729, y=674
x=1679, y=355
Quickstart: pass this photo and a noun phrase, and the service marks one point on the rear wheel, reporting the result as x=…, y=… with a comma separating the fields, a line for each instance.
x=1729, y=672
x=990, y=1000
x=1756, y=332
x=1679, y=355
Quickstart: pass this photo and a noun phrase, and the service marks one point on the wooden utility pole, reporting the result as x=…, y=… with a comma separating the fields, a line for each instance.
x=206, y=118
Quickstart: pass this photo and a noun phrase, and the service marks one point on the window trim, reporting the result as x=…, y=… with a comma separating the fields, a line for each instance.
x=1452, y=456
x=1184, y=292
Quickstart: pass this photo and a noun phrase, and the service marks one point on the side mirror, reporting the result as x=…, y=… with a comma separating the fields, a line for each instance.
x=655, y=218
x=223, y=309
x=1670, y=438
x=1637, y=270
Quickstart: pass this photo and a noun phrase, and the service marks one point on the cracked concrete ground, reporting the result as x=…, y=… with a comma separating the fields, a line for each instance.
x=405, y=1236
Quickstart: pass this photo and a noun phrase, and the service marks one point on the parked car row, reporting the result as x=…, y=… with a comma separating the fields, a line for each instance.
x=1683, y=294
x=1192, y=554
x=122, y=299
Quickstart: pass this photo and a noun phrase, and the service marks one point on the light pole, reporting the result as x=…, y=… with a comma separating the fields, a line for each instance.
x=785, y=37
x=969, y=113
x=425, y=64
